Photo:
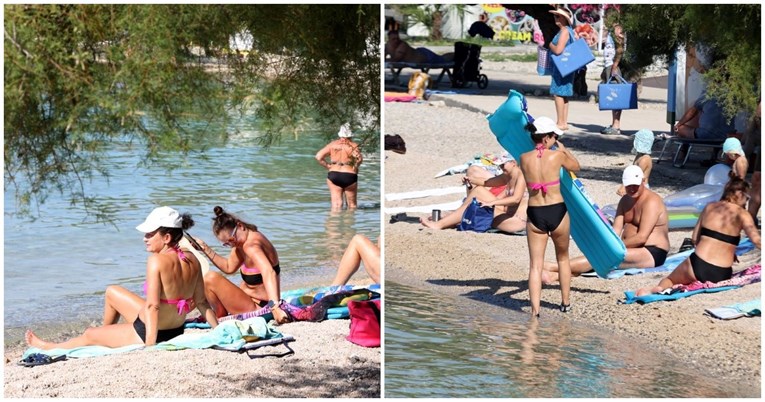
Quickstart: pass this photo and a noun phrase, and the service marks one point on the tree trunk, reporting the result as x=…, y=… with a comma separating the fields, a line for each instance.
x=435, y=32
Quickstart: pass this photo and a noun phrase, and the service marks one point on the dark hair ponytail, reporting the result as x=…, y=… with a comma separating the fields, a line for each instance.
x=226, y=221
x=176, y=234
x=734, y=185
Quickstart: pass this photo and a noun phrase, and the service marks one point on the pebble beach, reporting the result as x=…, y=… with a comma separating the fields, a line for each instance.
x=450, y=129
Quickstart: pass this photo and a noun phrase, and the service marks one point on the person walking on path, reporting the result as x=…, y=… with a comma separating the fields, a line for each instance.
x=547, y=214
x=562, y=88
x=344, y=161
x=613, y=52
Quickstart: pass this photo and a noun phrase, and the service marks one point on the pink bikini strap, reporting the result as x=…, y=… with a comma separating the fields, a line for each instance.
x=180, y=253
x=540, y=148
x=183, y=305
x=543, y=186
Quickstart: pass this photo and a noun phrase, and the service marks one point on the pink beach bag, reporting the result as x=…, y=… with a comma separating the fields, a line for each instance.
x=365, y=323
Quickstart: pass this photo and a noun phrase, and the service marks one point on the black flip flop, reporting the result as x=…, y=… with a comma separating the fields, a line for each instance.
x=39, y=359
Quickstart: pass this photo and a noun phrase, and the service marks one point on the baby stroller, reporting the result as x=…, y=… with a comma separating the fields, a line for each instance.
x=467, y=65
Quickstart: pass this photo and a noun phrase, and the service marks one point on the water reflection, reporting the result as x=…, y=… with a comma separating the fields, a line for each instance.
x=444, y=346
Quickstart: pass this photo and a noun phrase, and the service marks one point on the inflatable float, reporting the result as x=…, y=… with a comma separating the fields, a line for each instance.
x=590, y=229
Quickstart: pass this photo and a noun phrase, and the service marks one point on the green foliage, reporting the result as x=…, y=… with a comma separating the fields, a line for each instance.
x=730, y=32
x=78, y=77
x=430, y=15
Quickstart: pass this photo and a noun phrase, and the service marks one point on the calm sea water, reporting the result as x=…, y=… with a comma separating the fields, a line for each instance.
x=444, y=346
x=57, y=266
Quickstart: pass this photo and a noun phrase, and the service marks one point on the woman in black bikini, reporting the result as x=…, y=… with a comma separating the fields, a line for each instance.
x=173, y=285
x=344, y=161
x=716, y=235
x=546, y=213
x=257, y=261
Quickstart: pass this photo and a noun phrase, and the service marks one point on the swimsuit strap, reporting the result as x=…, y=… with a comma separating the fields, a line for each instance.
x=540, y=148
x=180, y=253
x=543, y=186
x=253, y=271
x=183, y=305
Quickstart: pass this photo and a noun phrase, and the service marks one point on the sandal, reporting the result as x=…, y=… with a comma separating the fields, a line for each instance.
x=565, y=308
x=39, y=359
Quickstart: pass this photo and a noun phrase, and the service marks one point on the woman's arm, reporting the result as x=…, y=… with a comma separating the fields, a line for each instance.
x=202, y=304
x=569, y=160
x=749, y=227
x=226, y=265
x=562, y=41
x=356, y=155
x=270, y=279
x=518, y=191
x=151, y=307
x=322, y=155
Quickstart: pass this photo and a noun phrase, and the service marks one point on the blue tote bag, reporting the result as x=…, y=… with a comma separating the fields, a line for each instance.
x=618, y=95
x=575, y=56
x=476, y=218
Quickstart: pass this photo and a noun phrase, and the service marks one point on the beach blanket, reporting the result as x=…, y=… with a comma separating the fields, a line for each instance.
x=424, y=193
x=404, y=97
x=446, y=206
x=232, y=334
x=672, y=261
x=750, y=308
x=739, y=279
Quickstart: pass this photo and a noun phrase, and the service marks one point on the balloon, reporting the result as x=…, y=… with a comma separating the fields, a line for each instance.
x=717, y=174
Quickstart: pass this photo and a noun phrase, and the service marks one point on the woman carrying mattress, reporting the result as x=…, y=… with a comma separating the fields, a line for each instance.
x=547, y=214
x=173, y=285
x=343, y=166
x=255, y=257
x=716, y=235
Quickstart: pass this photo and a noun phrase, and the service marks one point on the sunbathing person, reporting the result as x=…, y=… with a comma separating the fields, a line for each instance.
x=734, y=155
x=504, y=192
x=716, y=235
x=398, y=50
x=255, y=257
x=641, y=146
x=359, y=250
x=642, y=222
x=173, y=285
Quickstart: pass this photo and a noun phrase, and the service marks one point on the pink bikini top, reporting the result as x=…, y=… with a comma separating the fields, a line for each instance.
x=542, y=186
x=184, y=305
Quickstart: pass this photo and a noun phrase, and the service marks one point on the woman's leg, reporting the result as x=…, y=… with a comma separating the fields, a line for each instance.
x=537, y=241
x=336, y=196
x=565, y=114
x=560, y=114
x=683, y=274
x=119, y=301
x=560, y=238
x=359, y=250
x=111, y=336
x=482, y=194
x=512, y=220
x=350, y=195
x=226, y=298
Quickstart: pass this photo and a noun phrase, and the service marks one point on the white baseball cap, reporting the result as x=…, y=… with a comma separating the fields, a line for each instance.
x=165, y=217
x=633, y=175
x=545, y=125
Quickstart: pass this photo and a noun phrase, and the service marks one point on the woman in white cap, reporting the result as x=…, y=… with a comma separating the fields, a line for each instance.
x=257, y=261
x=642, y=144
x=344, y=161
x=562, y=87
x=547, y=214
x=716, y=236
x=173, y=286
x=734, y=155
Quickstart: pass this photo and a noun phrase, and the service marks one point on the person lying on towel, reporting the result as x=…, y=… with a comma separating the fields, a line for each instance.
x=716, y=235
x=641, y=220
x=398, y=50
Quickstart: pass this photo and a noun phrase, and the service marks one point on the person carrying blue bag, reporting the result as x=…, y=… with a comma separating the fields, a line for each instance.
x=561, y=87
x=613, y=52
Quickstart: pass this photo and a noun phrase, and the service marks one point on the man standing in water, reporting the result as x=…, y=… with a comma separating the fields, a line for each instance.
x=641, y=220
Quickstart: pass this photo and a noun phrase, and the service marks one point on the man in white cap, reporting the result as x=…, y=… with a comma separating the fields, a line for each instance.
x=642, y=222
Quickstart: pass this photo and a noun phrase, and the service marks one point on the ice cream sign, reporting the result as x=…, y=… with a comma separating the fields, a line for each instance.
x=508, y=24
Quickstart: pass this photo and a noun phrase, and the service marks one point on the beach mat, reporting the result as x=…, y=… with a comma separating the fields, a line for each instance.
x=739, y=279
x=750, y=308
x=672, y=261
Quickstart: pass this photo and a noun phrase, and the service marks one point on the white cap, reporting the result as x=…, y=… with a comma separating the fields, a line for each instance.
x=165, y=217
x=545, y=125
x=633, y=175
x=345, y=131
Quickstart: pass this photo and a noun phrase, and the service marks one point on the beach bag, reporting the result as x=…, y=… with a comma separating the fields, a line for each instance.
x=418, y=83
x=365, y=323
x=619, y=95
x=544, y=64
x=575, y=56
x=476, y=218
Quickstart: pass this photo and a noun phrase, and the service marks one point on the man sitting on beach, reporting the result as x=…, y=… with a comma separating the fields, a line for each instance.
x=504, y=192
x=642, y=221
x=398, y=50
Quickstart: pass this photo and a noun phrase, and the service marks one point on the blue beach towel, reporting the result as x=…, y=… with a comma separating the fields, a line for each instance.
x=750, y=308
x=670, y=295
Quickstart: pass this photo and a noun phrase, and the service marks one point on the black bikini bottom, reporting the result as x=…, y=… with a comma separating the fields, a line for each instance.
x=162, y=334
x=706, y=272
x=546, y=217
x=342, y=179
x=659, y=255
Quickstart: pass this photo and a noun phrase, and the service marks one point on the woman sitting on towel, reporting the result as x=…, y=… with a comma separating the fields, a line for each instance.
x=716, y=235
x=547, y=214
x=344, y=161
x=257, y=261
x=504, y=192
x=173, y=285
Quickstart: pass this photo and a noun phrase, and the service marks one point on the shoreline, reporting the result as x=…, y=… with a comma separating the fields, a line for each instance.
x=494, y=267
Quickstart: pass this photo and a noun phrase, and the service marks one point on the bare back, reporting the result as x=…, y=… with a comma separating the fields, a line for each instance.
x=726, y=218
x=178, y=280
x=344, y=156
x=542, y=170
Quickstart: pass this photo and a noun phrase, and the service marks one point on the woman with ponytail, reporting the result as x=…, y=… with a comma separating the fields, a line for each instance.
x=253, y=255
